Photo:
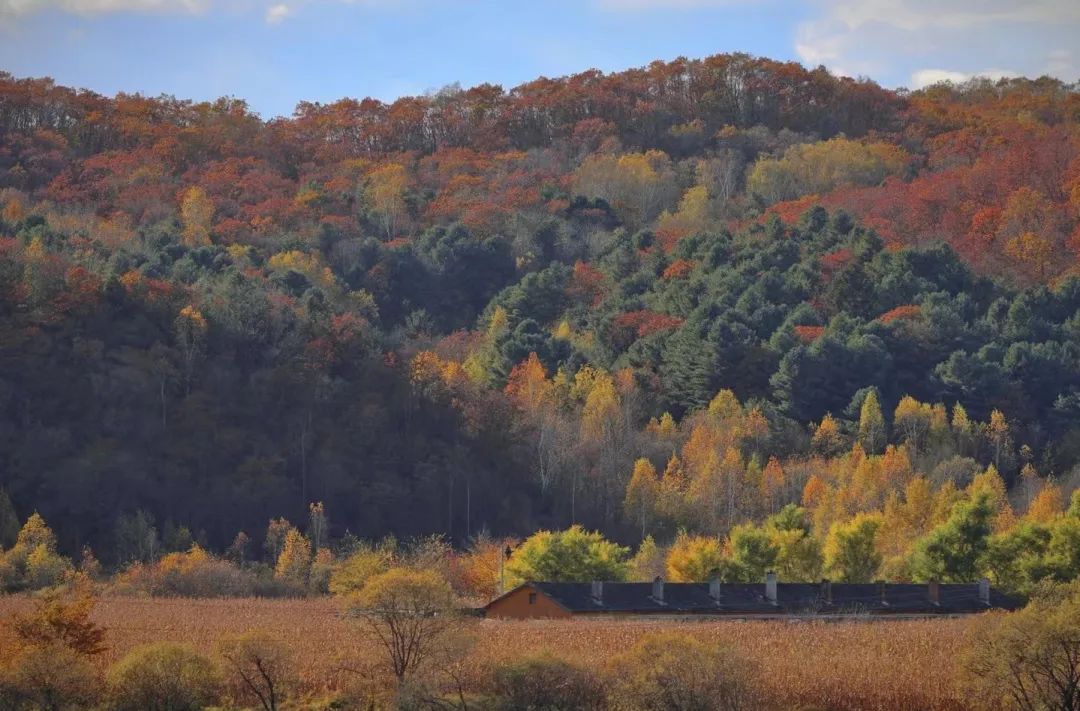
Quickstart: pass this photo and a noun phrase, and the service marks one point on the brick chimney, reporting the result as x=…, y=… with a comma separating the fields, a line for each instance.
x=933, y=590
x=658, y=589
x=984, y=591
x=598, y=592
x=770, y=587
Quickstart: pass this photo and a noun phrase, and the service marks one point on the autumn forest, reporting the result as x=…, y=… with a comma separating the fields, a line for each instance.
x=748, y=313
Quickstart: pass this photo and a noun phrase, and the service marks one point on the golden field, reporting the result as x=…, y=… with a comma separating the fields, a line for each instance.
x=899, y=664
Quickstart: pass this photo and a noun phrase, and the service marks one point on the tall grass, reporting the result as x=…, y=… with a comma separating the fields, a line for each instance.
x=866, y=665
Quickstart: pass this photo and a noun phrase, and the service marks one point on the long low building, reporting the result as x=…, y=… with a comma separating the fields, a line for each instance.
x=768, y=599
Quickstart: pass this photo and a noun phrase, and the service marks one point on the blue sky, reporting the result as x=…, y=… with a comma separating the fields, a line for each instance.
x=274, y=53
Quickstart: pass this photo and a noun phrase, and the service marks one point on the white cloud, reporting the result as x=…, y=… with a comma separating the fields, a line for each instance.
x=921, y=14
x=928, y=77
x=96, y=7
x=1063, y=63
x=277, y=13
x=634, y=5
x=931, y=40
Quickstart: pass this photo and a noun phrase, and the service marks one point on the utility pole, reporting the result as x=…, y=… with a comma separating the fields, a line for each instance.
x=502, y=568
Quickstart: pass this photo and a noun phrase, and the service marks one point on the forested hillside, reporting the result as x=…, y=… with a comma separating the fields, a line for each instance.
x=673, y=298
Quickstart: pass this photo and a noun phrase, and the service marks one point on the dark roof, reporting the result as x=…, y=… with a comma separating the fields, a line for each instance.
x=792, y=598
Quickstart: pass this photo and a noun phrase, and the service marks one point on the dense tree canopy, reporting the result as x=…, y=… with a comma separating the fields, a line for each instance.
x=646, y=302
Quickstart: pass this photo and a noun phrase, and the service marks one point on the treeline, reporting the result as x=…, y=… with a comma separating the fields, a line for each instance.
x=646, y=107
x=990, y=168
x=853, y=516
x=260, y=386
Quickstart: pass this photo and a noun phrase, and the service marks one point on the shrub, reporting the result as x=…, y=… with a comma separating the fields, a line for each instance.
x=60, y=616
x=33, y=563
x=1028, y=660
x=45, y=652
x=9, y=574
x=322, y=567
x=52, y=676
x=45, y=568
x=546, y=683
x=192, y=574
x=259, y=668
x=163, y=677
x=353, y=573
x=673, y=672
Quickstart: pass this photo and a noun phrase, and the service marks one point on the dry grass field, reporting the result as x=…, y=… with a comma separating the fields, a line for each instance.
x=812, y=665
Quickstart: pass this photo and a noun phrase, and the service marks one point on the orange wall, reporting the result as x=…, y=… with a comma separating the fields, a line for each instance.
x=515, y=605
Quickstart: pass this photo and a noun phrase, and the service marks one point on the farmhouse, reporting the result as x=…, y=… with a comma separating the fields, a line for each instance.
x=771, y=599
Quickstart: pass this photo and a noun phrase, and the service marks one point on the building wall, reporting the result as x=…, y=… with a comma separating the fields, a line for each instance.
x=526, y=603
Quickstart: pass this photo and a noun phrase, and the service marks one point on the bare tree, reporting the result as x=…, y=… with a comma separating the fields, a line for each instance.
x=260, y=666
x=411, y=614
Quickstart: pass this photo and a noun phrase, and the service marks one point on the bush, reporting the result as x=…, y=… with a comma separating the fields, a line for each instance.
x=33, y=563
x=9, y=574
x=322, y=567
x=52, y=676
x=673, y=672
x=60, y=616
x=45, y=653
x=1028, y=659
x=353, y=573
x=45, y=568
x=545, y=683
x=167, y=677
x=192, y=574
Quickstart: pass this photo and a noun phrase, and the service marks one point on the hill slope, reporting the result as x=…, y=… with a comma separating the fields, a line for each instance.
x=217, y=319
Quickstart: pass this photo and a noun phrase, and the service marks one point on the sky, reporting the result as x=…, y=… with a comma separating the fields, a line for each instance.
x=276, y=53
